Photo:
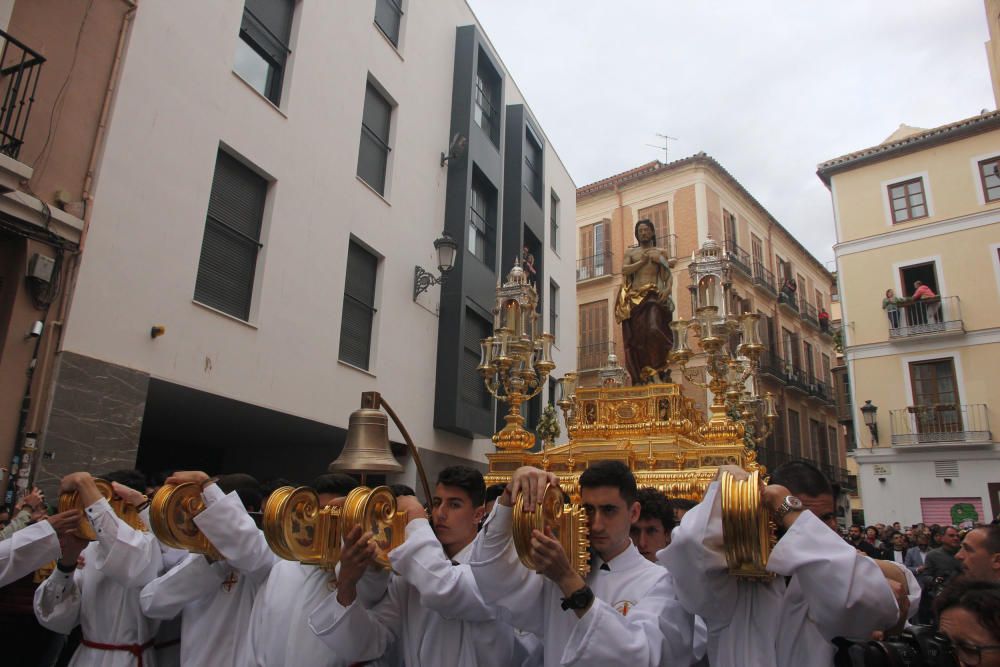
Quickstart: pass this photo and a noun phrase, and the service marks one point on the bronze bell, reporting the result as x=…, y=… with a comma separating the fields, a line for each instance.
x=367, y=446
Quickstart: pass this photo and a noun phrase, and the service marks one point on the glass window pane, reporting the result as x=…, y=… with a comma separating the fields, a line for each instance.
x=896, y=191
x=919, y=211
x=251, y=67
x=372, y=160
x=916, y=199
x=376, y=114
x=916, y=186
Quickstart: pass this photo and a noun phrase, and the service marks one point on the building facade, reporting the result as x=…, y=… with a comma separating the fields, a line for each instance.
x=689, y=200
x=261, y=202
x=921, y=211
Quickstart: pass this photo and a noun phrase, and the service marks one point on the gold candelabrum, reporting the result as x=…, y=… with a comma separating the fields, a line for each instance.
x=516, y=360
x=731, y=347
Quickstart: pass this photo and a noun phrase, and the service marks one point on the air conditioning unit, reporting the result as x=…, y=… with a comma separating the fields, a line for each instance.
x=40, y=268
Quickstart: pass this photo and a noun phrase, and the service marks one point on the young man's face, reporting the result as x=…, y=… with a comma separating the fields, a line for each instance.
x=610, y=519
x=950, y=538
x=456, y=519
x=822, y=506
x=855, y=533
x=977, y=561
x=649, y=536
x=898, y=541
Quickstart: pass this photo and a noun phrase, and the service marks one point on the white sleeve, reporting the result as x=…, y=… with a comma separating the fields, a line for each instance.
x=27, y=550
x=57, y=602
x=230, y=529
x=166, y=596
x=845, y=592
x=655, y=631
x=697, y=560
x=128, y=556
x=448, y=589
x=358, y=634
x=516, y=592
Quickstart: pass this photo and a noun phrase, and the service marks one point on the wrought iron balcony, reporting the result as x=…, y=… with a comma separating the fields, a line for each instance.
x=938, y=315
x=940, y=423
x=789, y=300
x=764, y=278
x=592, y=356
x=738, y=256
x=798, y=379
x=773, y=365
x=807, y=312
x=820, y=390
x=595, y=266
x=20, y=67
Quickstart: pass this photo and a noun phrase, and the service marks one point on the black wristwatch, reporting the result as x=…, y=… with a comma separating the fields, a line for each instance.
x=580, y=599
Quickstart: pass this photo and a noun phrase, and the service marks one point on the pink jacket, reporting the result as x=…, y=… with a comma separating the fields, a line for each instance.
x=924, y=292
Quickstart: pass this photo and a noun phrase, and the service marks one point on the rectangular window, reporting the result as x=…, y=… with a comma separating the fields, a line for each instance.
x=757, y=248
x=819, y=301
x=232, y=238
x=989, y=172
x=817, y=440
x=936, y=403
x=593, y=338
x=784, y=269
x=553, y=221
x=794, y=434
x=831, y=441
x=388, y=16
x=262, y=50
x=810, y=364
x=373, y=155
x=729, y=226
x=532, y=167
x=595, y=251
x=659, y=215
x=482, y=219
x=359, y=306
x=474, y=390
x=790, y=349
x=826, y=369
x=906, y=200
x=554, y=310
x=486, y=112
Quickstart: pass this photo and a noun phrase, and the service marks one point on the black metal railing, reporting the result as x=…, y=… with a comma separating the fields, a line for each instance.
x=592, y=355
x=940, y=314
x=773, y=365
x=20, y=67
x=797, y=377
x=820, y=389
x=594, y=266
x=808, y=313
x=941, y=422
x=789, y=299
x=739, y=257
x=764, y=278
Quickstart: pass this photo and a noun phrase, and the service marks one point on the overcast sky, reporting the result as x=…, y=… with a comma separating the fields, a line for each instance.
x=768, y=88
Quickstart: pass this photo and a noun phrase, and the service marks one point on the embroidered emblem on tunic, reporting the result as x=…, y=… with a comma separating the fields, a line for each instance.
x=230, y=581
x=623, y=606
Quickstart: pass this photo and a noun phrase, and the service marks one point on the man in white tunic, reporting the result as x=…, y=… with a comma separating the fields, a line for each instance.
x=103, y=596
x=214, y=599
x=824, y=589
x=624, y=613
x=433, y=608
x=279, y=633
x=32, y=547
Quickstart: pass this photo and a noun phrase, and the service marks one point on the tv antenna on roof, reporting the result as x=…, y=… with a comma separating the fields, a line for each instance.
x=665, y=147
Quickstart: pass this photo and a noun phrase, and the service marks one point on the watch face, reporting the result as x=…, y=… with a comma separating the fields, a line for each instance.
x=793, y=502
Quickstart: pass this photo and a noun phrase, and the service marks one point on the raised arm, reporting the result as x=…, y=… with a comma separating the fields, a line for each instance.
x=227, y=525
x=356, y=633
x=193, y=579
x=32, y=547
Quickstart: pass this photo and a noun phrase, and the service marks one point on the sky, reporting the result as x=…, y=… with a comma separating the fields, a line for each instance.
x=769, y=88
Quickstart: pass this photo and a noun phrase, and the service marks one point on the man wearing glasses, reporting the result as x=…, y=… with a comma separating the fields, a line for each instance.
x=969, y=613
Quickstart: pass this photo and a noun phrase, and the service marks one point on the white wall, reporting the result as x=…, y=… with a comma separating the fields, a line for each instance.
x=177, y=101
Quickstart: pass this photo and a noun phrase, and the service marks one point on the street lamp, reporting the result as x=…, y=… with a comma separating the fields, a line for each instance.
x=868, y=411
x=447, y=249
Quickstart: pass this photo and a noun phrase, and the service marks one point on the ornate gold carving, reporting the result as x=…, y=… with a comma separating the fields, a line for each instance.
x=747, y=532
x=123, y=510
x=568, y=523
x=172, y=512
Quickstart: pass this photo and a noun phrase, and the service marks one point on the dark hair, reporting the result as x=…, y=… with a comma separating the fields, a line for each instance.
x=610, y=473
x=270, y=486
x=246, y=487
x=468, y=479
x=991, y=536
x=683, y=503
x=981, y=598
x=401, y=490
x=159, y=478
x=652, y=228
x=494, y=491
x=335, y=483
x=133, y=479
x=858, y=526
x=654, y=505
x=802, y=478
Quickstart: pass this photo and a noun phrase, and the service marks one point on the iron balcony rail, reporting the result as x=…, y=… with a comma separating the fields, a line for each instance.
x=773, y=365
x=738, y=256
x=940, y=423
x=941, y=314
x=797, y=378
x=592, y=356
x=807, y=312
x=789, y=299
x=594, y=266
x=20, y=67
x=820, y=389
x=764, y=278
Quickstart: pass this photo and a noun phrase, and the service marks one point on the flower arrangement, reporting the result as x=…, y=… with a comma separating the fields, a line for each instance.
x=548, y=425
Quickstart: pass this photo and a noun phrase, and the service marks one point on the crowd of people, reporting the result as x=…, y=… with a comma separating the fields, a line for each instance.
x=658, y=590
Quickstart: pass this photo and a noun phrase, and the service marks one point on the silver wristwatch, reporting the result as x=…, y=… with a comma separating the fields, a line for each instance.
x=789, y=504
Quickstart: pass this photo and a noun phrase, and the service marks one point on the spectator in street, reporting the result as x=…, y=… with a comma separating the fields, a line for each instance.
x=979, y=554
x=895, y=550
x=28, y=510
x=871, y=537
x=916, y=555
x=890, y=304
x=856, y=538
x=940, y=565
x=970, y=619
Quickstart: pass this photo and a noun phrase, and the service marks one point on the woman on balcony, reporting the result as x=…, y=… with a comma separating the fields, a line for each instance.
x=890, y=304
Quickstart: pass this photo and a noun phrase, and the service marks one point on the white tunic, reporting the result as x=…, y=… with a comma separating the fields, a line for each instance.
x=833, y=592
x=215, y=599
x=103, y=596
x=27, y=550
x=433, y=609
x=635, y=619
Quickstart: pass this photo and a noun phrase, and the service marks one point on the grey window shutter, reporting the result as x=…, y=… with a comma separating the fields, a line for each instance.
x=359, y=307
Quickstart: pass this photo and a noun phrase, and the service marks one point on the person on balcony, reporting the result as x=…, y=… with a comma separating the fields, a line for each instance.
x=824, y=320
x=926, y=312
x=890, y=304
x=788, y=290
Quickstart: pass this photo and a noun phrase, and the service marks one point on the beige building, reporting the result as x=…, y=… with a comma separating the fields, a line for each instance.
x=923, y=206
x=689, y=200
